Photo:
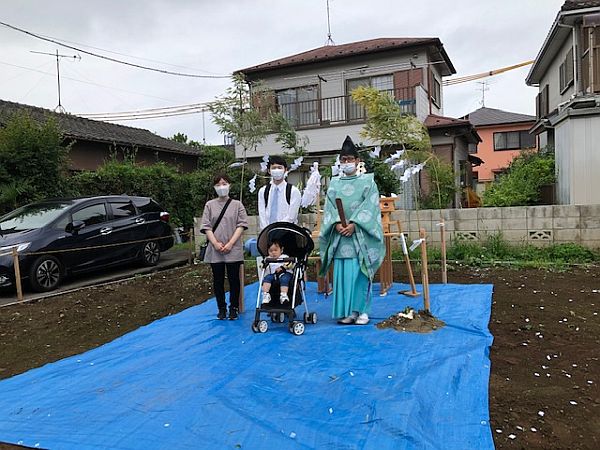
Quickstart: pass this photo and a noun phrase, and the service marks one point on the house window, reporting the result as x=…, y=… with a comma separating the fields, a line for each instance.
x=513, y=140
x=300, y=106
x=590, y=59
x=436, y=92
x=381, y=83
x=566, y=72
x=542, y=103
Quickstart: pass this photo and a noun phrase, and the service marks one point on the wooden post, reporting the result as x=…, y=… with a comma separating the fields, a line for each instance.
x=191, y=247
x=424, y=269
x=413, y=287
x=15, y=256
x=444, y=267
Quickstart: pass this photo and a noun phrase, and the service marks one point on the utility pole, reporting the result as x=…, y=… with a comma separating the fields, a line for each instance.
x=59, y=108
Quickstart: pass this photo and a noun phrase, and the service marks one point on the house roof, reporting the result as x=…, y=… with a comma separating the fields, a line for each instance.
x=435, y=122
x=491, y=116
x=95, y=130
x=569, y=14
x=570, y=5
x=331, y=52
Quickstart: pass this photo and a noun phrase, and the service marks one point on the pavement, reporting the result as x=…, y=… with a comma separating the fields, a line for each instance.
x=169, y=259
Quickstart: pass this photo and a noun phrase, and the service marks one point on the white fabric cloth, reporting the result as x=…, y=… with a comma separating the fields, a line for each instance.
x=285, y=212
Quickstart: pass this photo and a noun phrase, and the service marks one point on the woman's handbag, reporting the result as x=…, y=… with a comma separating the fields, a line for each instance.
x=204, y=245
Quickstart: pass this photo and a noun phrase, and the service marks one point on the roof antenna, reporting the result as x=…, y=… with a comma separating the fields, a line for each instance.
x=59, y=108
x=329, y=40
x=484, y=87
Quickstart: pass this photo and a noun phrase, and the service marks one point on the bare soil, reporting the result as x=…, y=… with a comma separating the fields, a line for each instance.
x=420, y=322
x=544, y=386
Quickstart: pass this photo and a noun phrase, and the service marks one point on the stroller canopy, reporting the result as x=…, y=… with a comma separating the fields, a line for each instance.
x=296, y=241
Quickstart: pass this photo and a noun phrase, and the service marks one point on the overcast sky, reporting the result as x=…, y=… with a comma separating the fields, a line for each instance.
x=218, y=37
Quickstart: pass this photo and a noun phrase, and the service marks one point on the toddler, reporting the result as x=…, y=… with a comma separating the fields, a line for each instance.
x=277, y=270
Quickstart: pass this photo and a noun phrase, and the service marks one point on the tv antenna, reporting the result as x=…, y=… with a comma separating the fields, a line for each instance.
x=329, y=39
x=484, y=87
x=59, y=108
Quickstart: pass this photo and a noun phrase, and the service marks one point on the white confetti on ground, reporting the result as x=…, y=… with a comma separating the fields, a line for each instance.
x=293, y=435
x=499, y=431
x=541, y=413
x=536, y=374
x=511, y=436
x=533, y=429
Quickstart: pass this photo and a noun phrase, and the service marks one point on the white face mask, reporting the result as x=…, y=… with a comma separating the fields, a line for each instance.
x=222, y=190
x=277, y=174
x=348, y=168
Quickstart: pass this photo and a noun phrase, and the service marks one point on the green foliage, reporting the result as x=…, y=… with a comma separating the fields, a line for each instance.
x=443, y=185
x=387, y=124
x=522, y=183
x=33, y=161
x=386, y=180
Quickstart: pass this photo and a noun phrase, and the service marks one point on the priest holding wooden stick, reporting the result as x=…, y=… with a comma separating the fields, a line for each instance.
x=352, y=236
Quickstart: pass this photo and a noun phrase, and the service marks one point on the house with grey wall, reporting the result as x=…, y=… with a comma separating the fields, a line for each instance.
x=313, y=91
x=567, y=72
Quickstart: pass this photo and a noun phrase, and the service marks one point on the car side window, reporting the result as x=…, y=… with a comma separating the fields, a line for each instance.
x=91, y=215
x=121, y=210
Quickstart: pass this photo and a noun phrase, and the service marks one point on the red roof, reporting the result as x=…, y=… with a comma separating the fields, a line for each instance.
x=329, y=52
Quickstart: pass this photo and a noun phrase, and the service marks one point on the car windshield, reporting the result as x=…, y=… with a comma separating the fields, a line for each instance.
x=31, y=217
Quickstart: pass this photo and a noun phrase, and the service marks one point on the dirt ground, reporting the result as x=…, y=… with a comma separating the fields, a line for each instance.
x=544, y=386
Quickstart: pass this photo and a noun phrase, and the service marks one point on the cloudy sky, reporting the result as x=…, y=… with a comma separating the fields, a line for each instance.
x=217, y=37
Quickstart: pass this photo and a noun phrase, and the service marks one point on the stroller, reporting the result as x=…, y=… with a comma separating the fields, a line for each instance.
x=297, y=245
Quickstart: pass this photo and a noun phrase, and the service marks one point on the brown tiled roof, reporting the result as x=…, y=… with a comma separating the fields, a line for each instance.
x=490, y=116
x=570, y=5
x=95, y=130
x=329, y=52
x=434, y=121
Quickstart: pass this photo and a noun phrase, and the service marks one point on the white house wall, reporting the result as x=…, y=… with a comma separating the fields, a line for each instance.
x=585, y=159
x=552, y=78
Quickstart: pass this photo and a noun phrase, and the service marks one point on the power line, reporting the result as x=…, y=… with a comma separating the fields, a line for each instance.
x=138, y=66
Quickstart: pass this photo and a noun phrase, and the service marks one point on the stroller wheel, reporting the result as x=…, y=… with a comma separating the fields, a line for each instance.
x=281, y=317
x=296, y=328
x=312, y=317
x=262, y=326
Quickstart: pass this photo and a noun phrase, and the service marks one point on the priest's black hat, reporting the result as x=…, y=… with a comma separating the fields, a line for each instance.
x=348, y=148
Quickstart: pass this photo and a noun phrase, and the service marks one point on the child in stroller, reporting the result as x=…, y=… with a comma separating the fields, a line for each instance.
x=279, y=271
x=281, y=293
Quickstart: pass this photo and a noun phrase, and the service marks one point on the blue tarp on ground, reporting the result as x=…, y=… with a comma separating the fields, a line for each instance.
x=189, y=381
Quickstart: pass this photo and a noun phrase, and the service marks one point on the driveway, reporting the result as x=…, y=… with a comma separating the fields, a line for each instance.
x=170, y=258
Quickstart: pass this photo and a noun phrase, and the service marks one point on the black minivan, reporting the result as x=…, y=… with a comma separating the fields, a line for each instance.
x=57, y=237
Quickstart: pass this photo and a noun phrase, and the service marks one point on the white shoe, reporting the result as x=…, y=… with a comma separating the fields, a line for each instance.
x=348, y=320
x=362, y=319
x=284, y=298
x=266, y=298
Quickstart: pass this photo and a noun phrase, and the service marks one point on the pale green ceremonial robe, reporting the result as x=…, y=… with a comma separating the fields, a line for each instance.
x=357, y=257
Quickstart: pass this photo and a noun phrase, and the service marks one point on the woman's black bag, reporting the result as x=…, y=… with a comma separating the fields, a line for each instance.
x=204, y=245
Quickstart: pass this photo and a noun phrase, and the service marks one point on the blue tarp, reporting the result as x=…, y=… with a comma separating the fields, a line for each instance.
x=189, y=381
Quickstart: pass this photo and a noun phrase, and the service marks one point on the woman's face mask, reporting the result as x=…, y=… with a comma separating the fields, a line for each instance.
x=277, y=174
x=222, y=190
x=348, y=168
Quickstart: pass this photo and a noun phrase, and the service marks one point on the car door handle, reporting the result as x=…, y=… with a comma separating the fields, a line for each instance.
x=105, y=231
x=139, y=220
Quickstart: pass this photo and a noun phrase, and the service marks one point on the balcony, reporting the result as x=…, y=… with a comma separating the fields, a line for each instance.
x=341, y=110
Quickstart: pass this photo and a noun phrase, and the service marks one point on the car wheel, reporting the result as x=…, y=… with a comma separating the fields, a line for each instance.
x=45, y=274
x=150, y=253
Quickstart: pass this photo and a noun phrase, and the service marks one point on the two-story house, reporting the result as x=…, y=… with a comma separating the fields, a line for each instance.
x=504, y=135
x=567, y=71
x=312, y=90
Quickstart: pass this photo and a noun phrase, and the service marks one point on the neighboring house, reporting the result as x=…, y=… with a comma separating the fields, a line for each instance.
x=312, y=90
x=504, y=135
x=567, y=71
x=95, y=142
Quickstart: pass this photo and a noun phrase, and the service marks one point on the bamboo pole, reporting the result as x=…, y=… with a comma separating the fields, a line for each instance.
x=191, y=247
x=424, y=269
x=411, y=279
x=15, y=256
x=444, y=266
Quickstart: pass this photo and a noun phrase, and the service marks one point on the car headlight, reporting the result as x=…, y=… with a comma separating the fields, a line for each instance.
x=20, y=247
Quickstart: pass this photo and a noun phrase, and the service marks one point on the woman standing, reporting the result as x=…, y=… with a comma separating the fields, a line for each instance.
x=225, y=250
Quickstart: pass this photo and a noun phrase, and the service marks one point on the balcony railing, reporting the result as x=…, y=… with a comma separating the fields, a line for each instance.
x=339, y=110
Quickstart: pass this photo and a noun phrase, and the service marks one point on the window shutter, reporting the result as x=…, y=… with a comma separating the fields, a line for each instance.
x=595, y=53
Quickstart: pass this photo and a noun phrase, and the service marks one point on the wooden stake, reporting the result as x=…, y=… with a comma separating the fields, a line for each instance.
x=444, y=267
x=424, y=269
x=15, y=256
x=411, y=279
x=191, y=247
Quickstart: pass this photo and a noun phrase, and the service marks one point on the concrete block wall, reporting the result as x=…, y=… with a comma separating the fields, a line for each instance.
x=537, y=225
